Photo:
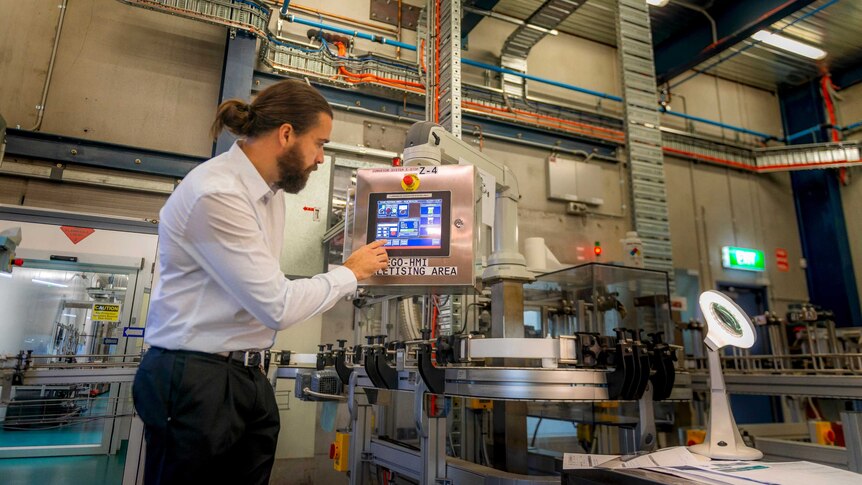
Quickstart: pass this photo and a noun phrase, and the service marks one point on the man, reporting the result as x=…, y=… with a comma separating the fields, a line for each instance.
x=209, y=412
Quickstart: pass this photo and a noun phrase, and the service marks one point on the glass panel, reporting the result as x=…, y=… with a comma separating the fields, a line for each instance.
x=51, y=311
x=600, y=297
x=65, y=318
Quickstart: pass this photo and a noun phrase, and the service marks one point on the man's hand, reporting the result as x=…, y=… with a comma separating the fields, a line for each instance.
x=368, y=259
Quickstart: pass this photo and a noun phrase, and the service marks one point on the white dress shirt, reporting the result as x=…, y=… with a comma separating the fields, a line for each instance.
x=220, y=286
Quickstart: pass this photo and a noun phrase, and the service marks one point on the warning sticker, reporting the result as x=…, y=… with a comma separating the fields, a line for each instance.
x=105, y=312
x=77, y=234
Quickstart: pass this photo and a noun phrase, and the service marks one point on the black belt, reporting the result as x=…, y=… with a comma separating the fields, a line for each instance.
x=246, y=358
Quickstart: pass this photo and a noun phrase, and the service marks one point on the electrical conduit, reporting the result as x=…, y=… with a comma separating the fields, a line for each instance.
x=501, y=70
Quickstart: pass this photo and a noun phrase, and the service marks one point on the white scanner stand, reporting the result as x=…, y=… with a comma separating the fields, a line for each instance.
x=727, y=325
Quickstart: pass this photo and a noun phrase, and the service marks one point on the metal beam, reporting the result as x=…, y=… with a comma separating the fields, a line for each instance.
x=240, y=55
x=820, y=215
x=370, y=105
x=64, y=149
x=734, y=23
x=57, y=218
x=471, y=20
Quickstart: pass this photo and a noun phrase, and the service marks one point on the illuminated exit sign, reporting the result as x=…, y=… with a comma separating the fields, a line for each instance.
x=742, y=258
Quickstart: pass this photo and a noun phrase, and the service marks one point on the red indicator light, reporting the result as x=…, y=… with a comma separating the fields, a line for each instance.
x=597, y=249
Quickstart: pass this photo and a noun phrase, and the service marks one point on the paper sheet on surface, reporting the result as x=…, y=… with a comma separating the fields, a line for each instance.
x=573, y=461
x=764, y=473
x=676, y=456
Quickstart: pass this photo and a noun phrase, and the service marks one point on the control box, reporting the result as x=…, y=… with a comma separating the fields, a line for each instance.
x=427, y=215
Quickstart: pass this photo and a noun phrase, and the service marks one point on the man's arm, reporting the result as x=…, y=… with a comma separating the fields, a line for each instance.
x=228, y=243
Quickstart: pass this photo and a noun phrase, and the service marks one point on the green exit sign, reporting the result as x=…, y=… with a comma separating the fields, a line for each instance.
x=742, y=258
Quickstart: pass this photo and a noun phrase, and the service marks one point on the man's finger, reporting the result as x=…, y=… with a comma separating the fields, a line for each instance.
x=376, y=244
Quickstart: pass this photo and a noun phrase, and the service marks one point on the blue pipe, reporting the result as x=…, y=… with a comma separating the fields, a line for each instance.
x=749, y=46
x=384, y=40
x=815, y=128
x=354, y=33
x=721, y=125
x=805, y=132
x=503, y=70
x=284, y=7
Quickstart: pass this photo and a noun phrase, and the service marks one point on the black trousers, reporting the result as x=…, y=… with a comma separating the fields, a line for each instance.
x=207, y=419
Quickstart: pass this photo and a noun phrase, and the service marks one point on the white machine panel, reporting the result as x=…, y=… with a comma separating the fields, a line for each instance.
x=428, y=215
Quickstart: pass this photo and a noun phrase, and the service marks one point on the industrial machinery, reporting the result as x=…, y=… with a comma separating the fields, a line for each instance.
x=429, y=389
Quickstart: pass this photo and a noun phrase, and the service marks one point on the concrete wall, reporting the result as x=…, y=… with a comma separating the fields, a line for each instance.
x=124, y=75
x=711, y=207
x=849, y=112
x=725, y=102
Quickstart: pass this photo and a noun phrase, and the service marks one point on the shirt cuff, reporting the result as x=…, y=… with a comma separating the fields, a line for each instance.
x=343, y=279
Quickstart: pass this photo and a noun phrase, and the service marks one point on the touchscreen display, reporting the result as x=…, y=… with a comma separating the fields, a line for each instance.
x=413, y=224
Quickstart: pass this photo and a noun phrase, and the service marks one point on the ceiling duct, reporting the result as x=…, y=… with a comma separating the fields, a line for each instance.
x=517, y=47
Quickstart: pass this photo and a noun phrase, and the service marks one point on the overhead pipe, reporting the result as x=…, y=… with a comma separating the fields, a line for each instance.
x=354, y=33
x=323, y=13
x=502, y=70
x=720, y=125
x=41, y=115
x=511, y=20
x=805, y=132
x=816, y=128
x=749, y=46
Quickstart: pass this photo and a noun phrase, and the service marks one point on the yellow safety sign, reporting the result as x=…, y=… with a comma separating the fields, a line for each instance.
x=105, y=312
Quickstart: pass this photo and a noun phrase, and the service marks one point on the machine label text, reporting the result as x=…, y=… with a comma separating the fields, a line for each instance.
x=416, y=267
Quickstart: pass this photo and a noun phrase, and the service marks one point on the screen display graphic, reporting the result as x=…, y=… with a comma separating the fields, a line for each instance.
x=413, y=224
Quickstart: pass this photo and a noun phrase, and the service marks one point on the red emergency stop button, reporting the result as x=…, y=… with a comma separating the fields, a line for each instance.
x=410, y=182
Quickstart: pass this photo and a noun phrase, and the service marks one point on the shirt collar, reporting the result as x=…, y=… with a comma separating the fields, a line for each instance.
x=251, y=178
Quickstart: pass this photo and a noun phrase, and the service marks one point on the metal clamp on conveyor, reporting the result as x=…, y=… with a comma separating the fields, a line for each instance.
x=662, y=358
x=434, y=378
x=340, y=358
x=631, y=367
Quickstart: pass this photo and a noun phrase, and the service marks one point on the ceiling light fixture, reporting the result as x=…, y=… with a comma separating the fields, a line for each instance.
x=789, y=45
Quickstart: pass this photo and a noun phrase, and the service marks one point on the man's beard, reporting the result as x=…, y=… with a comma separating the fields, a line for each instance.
x=291, y=177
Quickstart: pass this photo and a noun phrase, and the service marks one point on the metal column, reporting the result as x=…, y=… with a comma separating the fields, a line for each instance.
x=509, y=417
x=643, y=138
x=443, y=56
x=822, y=225
x=239, y=58
x=852, y=422
x=434, y=452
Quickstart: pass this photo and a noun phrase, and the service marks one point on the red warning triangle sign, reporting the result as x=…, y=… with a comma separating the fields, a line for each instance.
x=77, y=234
